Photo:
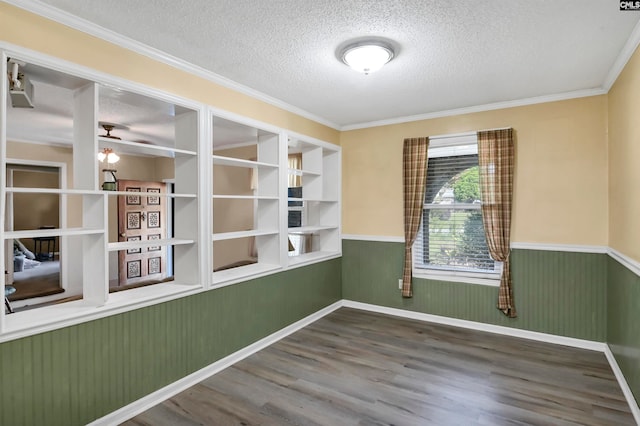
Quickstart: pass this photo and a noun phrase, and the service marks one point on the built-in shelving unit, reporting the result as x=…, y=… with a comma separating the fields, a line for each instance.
x=224, y=193
x=314, y=208
x=246, y=194
x=157, y=137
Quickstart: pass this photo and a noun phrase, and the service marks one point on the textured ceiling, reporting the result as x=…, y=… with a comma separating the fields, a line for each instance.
x=451, y=54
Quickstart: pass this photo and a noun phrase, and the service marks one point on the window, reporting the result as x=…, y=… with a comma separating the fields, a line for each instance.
x=451, y=240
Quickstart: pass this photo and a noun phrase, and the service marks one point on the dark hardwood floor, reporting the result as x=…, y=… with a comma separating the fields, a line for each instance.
x=360, y=368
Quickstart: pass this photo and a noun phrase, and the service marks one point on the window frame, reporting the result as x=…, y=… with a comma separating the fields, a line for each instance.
x=452, y=274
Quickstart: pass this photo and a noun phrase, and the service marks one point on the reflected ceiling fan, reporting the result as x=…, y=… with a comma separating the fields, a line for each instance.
x=109, y=127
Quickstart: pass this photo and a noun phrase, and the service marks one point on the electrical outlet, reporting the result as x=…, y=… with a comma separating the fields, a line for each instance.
x=400, y=284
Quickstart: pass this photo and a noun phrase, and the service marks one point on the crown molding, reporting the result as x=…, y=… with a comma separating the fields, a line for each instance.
x=479, y=108
x=77, y=23
x=623, y=57
x=72, y=21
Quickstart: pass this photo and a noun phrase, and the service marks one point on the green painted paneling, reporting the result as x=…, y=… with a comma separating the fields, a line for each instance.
x=623, y=317
x=74, y=375
x=559, y=293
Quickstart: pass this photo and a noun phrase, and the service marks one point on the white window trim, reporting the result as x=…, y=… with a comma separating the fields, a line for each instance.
x=491, y=279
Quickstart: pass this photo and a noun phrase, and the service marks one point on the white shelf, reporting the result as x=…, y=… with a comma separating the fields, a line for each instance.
x=243, y=272
x=244, y=197
x=128, y=147
x=243, y=234
x=311, y=257
x=309, y=229
x=149, y=194
x=298, y=172
x=127, y=245
x=312, y=200
x=35, y=233
x=219, y=160
x=17, y=190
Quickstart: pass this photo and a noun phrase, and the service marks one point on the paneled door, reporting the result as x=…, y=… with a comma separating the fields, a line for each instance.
x=142, y=218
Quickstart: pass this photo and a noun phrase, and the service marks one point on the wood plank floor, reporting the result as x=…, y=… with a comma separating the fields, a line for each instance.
x=360, y=368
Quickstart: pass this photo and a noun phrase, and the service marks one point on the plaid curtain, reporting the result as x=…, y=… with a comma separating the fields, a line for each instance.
x=414, y=168
x=295, y=163
x=496, y=159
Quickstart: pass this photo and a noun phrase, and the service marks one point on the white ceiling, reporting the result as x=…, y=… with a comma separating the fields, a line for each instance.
x=450, y=54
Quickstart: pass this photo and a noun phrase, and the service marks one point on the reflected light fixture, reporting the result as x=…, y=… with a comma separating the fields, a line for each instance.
x=109, y=155
x=367, y=56
x=110, y=180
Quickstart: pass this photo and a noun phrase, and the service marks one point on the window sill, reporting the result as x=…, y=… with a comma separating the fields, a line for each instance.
x=491, y=280
x=35, y=321
x=243, y=273
x=313, y=257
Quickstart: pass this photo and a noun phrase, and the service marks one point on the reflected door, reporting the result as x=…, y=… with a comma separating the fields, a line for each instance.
x=142, y=218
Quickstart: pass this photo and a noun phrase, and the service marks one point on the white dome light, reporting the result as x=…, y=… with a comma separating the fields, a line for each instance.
x=367, y=57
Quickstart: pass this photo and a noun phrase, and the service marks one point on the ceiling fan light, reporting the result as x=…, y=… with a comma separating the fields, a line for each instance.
x=112, y=158
x=367, y=57
x=109, y=155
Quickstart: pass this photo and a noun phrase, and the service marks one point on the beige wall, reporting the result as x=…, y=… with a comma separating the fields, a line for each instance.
x=624, y=160
x=565, y=191
x=32, y=211
x=560, y=192
x=54, y=154
x=33, y=32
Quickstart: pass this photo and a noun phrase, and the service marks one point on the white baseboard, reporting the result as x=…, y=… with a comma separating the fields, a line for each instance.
x=497, y=329
x=626, y=390
x=508, y=331
x=145, y=403
x=127, y=412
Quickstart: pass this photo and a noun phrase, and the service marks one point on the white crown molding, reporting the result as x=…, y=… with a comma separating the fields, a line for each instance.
x=622, y=59
x=90, y=28
x=127, y=412
x=72, y=21
x=626, y=261
x=622, y=381
x=376, y=238
x=479, y=108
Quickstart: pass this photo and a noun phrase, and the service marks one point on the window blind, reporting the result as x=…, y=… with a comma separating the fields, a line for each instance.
x=451, y=235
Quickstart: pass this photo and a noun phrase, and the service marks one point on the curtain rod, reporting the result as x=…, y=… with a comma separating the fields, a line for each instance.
x=461, y=135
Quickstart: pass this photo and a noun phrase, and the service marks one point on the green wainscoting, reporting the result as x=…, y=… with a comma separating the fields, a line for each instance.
x=623, y=320
x=559, y=293
x=74, y=375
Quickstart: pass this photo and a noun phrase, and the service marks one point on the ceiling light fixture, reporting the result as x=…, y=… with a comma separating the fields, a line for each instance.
x=367, y=56
x=109, y=155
